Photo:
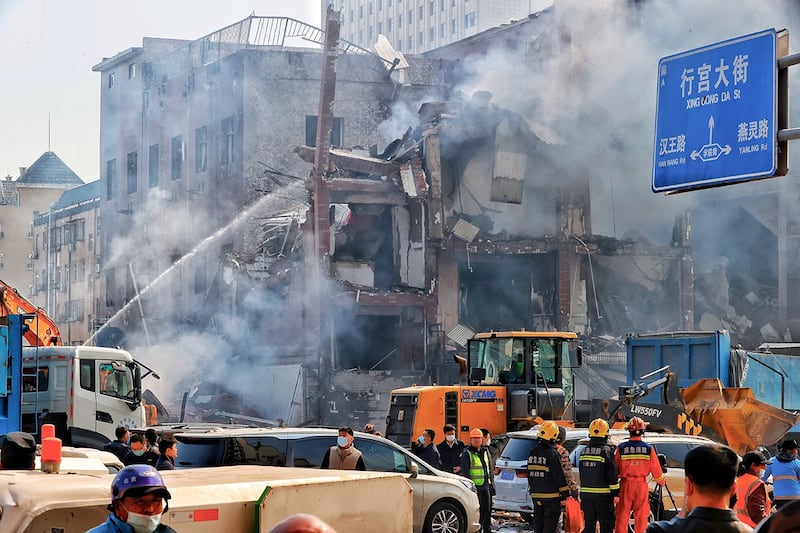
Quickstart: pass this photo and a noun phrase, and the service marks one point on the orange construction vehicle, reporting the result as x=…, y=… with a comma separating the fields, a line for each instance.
x=516, y=380
x=40, y=330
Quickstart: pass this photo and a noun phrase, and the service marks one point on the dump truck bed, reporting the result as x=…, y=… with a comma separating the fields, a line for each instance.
x=230, y=499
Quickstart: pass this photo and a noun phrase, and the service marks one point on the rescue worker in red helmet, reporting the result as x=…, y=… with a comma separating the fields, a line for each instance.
x=636, y=460
x=546, y=480
x=599, y=479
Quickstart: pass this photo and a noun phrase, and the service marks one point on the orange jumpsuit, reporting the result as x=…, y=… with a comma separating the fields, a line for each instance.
x=635, y=460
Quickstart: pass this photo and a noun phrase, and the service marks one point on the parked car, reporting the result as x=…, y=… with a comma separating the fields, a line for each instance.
x=511, y=470
x=443, y=502
x=511, y=474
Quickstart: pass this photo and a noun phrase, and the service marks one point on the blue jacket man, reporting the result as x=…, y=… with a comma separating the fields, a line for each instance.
x=785, y=472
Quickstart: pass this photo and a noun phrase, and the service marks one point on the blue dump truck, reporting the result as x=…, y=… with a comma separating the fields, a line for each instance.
x=695, y=383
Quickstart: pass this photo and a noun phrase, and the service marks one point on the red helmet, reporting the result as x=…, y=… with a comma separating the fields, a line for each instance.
x=636, y=424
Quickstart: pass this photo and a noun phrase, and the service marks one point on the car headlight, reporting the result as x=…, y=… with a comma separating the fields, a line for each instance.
x=469, y=484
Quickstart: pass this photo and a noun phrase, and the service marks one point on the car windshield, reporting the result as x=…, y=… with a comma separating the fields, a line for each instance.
x=518, y=449
x=195, y=453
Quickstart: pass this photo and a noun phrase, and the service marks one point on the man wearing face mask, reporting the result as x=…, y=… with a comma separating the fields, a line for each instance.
x=140, y=454
x=344, y=455
x=450, y=450
x=138, y=496
x=426, y=450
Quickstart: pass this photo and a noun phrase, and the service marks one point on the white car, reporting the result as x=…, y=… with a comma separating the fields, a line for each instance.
x=511, y=470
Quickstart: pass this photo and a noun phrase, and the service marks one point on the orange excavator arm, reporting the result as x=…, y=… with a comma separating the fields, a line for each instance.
x=41, y=330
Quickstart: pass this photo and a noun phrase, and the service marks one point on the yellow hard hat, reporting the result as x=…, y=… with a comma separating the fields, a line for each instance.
x=598, y=428
x=549, y=431
x=476, y=433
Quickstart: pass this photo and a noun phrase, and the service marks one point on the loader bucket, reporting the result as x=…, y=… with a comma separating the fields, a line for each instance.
x=735, y=414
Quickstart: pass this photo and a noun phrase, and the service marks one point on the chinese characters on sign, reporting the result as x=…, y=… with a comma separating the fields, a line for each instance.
x=715, y=114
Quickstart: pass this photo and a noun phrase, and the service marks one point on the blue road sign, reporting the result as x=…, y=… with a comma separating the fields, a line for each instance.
x=716, y=114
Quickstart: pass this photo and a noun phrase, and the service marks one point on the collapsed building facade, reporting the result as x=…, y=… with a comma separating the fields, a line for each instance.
x=335, y=275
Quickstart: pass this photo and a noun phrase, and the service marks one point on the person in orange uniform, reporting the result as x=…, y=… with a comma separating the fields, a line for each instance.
x=635, y=461
x=752, y=503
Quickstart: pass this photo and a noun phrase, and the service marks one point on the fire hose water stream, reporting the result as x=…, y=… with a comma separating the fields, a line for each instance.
x=278, y=201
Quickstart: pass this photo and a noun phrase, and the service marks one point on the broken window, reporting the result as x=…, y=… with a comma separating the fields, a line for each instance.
x=110, y=80
x=133, y=171
x=337, y=131
x=177, y=157
x=226, y=140
x=201, y=149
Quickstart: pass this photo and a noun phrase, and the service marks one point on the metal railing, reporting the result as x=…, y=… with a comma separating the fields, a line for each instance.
x=252, y=32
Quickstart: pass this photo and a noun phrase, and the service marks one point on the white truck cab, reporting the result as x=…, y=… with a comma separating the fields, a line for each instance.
x=84, y=391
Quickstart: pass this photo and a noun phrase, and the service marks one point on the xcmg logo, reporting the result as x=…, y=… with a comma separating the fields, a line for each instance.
x=478, y=395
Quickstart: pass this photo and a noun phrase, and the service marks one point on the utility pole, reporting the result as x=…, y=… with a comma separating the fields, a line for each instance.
x=321, y=317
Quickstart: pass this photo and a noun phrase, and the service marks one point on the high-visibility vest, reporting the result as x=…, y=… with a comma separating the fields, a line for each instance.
x=745, y=486
x=477, y=472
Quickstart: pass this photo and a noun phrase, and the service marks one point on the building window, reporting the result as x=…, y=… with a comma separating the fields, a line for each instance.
x=454, y=26
x=176, y=284
x=431, y=36
x=432, y=10
x=371, y=33
x=361, y=12
x=201, y=149
x=442, y=30
x=389, y=23
x=441, y=5
x=470, y=19
x=400, y=21
x=380, y=27
x=110, y=80
x=391, y=2
x=369, y=10
x=421, y=12
x=380, y=5
x=133, y=171
x=177, y=157
x=111, y=170
x=131, y=71
x=152, y=166
x=411, y=16
x=337, y=131
x=410, y=42
x=226, y=142
x=360, y=36
x=400, y=45
x=199, y=276
x=421, y=39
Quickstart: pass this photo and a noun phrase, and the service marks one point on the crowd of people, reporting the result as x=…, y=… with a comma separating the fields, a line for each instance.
x=721, y=492
x=144, y=449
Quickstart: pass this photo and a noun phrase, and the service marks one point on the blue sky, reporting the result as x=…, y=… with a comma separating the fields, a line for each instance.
x=48, y=48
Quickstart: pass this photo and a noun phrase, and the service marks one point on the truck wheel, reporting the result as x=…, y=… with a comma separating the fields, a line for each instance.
x=528, y=517
x=445, y=517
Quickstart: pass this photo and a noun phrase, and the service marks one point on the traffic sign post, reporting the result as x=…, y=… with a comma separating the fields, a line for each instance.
x=716, y=114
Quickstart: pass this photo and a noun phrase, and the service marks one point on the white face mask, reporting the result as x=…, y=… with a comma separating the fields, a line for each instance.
x=143, y=523
x=450, y=438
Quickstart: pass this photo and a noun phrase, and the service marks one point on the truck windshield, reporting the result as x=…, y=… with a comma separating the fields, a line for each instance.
x=116, y=380
x=523, y=360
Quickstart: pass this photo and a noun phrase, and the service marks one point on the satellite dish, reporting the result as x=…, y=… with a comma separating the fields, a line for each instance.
x=386, y=51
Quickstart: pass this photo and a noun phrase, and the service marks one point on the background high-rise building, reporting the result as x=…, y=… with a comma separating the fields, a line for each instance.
x=415, y=26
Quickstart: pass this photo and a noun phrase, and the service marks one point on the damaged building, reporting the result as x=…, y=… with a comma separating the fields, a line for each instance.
x=331, y=269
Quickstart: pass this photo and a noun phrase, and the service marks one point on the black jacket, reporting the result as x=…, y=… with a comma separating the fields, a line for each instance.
x=598, y=468
x=702, y=520
x=546, y=480
x=118, y=448
x=450, y=455
x=429, y=454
